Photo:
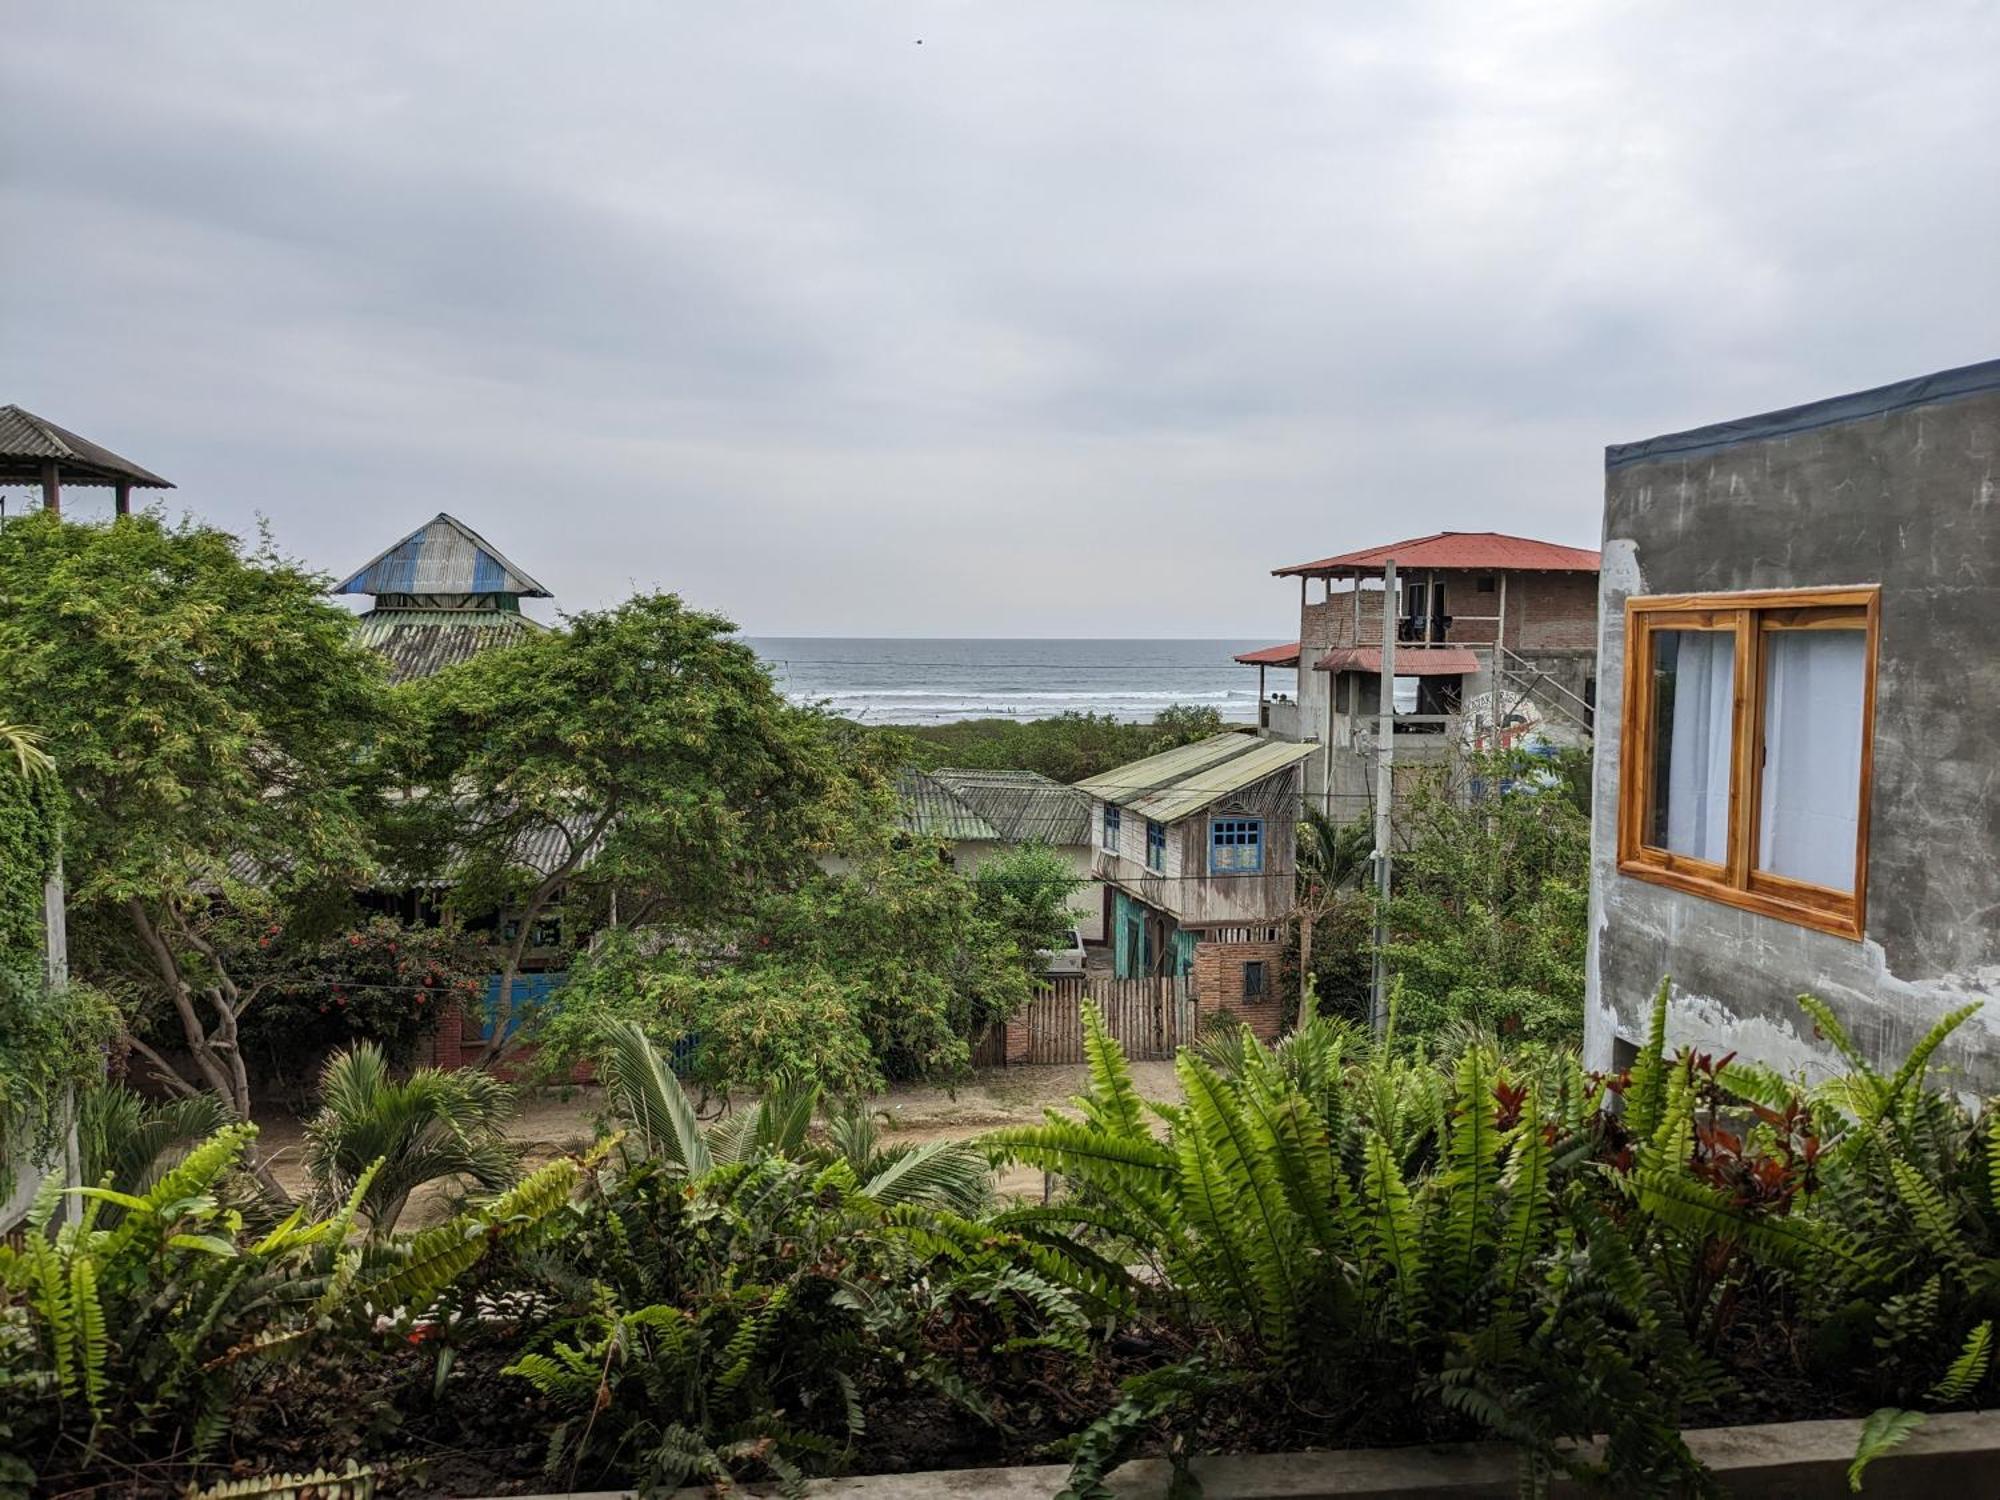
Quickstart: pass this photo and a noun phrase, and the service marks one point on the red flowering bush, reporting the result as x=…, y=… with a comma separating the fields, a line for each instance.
x=381, y=981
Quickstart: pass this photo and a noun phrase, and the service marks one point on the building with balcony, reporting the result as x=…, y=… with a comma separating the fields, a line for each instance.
x=1496, y=638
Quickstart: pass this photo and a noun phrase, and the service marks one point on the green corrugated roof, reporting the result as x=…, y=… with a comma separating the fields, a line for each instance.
x=1176, y=783
x=1126, y=784
x=1023, y=806
x=418, y=642
x=930, y=810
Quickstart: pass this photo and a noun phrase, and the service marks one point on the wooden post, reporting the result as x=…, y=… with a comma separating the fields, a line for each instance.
x=125, y=502
x=1385, y=791
x=51, y=486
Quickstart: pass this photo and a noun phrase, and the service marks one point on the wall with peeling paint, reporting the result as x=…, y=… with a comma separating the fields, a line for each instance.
x=1896, y=487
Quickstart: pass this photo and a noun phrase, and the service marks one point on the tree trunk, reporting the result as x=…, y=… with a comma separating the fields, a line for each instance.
x=215, y=1054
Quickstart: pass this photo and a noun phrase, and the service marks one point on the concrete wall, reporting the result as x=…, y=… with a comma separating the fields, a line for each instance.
x=1844, y=492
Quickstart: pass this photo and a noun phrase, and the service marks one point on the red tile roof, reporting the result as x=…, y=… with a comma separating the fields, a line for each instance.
x=1456, y=549
x=1411, y=661
x=1272, y=656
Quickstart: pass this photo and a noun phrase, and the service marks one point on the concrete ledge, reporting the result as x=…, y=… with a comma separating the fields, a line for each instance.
x=1954, y=1454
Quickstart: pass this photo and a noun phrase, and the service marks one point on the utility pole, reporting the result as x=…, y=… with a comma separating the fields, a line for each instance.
x=1385, y=792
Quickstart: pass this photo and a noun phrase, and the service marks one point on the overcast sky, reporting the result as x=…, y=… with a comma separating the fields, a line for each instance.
x=954, y=319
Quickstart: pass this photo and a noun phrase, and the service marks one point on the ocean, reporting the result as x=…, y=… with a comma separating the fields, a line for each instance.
x=943, y=681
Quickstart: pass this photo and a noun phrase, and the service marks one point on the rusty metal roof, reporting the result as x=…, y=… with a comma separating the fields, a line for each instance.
x=1179, y=783
x=1272, y=656
x=28, y=441
x=1456, y=549
x=443, y=556
x=1411, y=661
x=419, y=642
x=1022, y=806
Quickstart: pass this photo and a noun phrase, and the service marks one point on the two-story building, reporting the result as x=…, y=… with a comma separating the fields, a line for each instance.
x=1496, y=636
x=1194, y=851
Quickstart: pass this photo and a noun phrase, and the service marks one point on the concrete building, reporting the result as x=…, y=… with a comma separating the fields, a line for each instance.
x=1195, y=852
x=1798, y=748
x=1496, y=636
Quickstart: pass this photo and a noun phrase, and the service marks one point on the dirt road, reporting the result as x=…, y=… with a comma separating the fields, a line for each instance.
x=550, y=1123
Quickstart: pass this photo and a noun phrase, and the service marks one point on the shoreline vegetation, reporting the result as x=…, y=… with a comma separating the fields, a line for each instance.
x=1067, y=747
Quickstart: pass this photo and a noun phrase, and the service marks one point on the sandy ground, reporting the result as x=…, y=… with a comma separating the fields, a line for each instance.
x=551, y=1123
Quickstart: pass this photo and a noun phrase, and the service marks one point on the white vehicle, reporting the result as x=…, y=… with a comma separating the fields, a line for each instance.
x=1060, y=962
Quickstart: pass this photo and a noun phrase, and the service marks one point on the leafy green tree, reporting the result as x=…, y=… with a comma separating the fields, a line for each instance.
x=1026, y=889
x=931, y=962
x=211, y=717
x=882, y=972
x=756, y=1026
x=1488, y=922
x=638, y=763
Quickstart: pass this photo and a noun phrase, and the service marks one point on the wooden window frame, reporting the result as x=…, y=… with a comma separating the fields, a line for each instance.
x=1156, y=847
x=1112, y=826
x=1244, y=832
x=1751, y=617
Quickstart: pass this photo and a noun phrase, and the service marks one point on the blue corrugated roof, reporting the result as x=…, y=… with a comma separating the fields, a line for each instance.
x=444, y=556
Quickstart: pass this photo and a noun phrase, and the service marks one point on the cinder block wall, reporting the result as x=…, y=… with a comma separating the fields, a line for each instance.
x=1895, y=487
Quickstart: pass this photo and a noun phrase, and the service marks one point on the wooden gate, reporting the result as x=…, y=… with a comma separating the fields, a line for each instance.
x=1150, y=1018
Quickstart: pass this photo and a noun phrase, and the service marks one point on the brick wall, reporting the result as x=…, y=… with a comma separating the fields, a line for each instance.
x=1552, y=612
x=1218, y=985
x=1017, y=1037
x=457, y=1040
x=1332, y=623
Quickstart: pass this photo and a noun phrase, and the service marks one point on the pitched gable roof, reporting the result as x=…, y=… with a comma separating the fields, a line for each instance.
x=1178, y=783
x=443, y=556
x=1022, y=806
x=27, y=441
x=1457, y=549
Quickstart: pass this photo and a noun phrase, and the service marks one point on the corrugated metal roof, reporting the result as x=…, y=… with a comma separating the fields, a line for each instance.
x=27, y=441
x=1123, y=782
x=1176, y=783
x=1411, y=661
x=1022, y=806
x=1272, y=656
x=419, y=642
x=931, y=810
x=443, y=556
x=1457, y=549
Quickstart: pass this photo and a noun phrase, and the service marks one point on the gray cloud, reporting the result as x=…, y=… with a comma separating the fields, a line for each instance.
x=1073, y=319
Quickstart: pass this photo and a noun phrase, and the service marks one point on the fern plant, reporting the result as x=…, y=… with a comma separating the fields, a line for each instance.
x=1381, y=1226
x=137, y=1340
x=743, y=1324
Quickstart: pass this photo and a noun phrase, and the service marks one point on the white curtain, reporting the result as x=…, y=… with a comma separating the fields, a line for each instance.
x=1808, y=824
x=1697, y=781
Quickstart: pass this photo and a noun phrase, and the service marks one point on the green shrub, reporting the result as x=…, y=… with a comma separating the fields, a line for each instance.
x=1485, y=1243
x=139, y=1342
x=386, y=1137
